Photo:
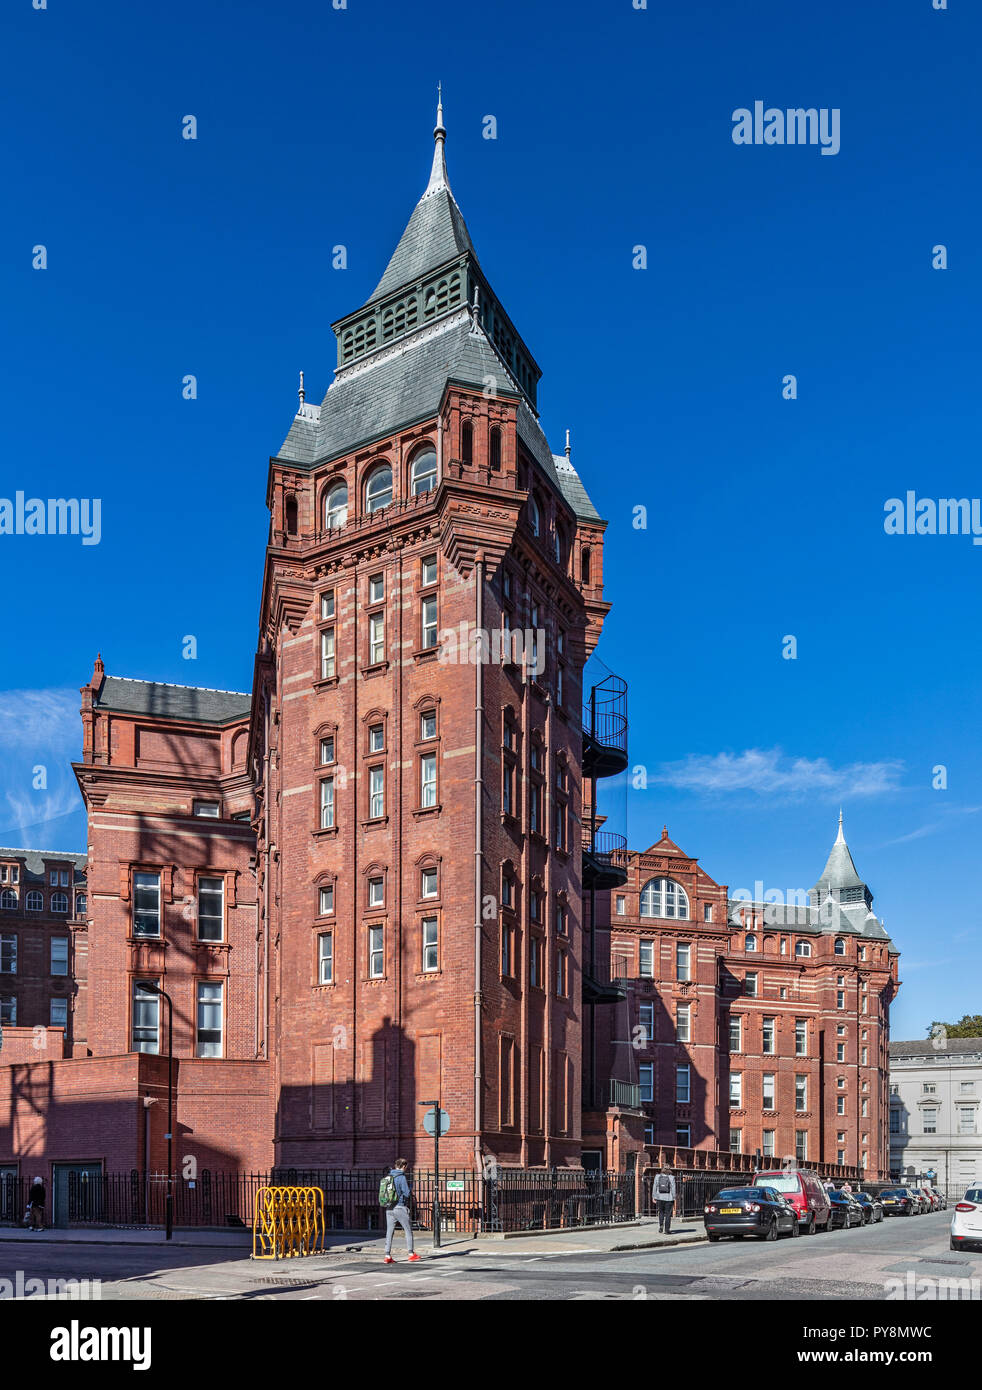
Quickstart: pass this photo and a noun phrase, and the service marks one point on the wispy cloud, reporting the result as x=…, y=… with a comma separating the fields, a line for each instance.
x=768, y=771
x=40, y=734
x=40, y=719
x=932, y=827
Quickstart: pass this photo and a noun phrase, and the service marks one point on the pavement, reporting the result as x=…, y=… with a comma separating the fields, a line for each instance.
x=635, y=1235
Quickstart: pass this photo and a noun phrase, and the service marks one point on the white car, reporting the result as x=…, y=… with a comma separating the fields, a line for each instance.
x=966, y=1220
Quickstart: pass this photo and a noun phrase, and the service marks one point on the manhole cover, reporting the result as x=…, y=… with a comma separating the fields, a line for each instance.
x=291, y=1283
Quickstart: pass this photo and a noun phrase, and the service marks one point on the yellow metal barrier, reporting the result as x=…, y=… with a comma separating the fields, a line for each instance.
x=287, y=1221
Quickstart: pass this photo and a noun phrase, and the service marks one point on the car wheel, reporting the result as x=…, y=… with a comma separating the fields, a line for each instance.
x=810, y=1228
x=771, y=1232
x=795, y=1228
x=952, y=1245
x=909, y=1211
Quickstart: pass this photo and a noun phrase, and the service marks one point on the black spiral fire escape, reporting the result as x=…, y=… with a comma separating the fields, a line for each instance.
x=604, y=851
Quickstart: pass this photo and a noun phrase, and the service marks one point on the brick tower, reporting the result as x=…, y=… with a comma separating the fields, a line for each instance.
x=433, y=587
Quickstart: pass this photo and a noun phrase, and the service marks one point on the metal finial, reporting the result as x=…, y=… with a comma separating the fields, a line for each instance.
x=567, y=446
x=439, y=110
x=301, y=393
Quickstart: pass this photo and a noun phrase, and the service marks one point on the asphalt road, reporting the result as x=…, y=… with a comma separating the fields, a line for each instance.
x=856, y=1264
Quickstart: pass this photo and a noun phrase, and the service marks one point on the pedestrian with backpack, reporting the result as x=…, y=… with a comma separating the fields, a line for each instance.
x=394, y=1196
x=665, y=1199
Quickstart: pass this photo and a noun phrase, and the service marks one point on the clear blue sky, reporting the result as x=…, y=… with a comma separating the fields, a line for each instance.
x=765, y=516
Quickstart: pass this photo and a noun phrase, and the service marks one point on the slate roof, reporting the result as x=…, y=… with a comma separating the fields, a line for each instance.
x=403, y=381
x=190, y=702
x=435, y=233
x=926, y=1048
x=840, y=871
x=34, y=860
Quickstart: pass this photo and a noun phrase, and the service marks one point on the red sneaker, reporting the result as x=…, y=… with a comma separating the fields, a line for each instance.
x=389, y=1260
x=413, y=1259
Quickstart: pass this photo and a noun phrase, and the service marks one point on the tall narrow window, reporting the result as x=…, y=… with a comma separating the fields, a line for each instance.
x=325, y=958
x=8, y=955
x=428, y=779
x=59, y=955
x=378, y=489
x=683, y=1017
x=431, y=953
x=325, y=900
x=376, y=806
x=683, y=959
x=328, y=667
x=211, y=909
x=429, y=622
x=768, y=1035
x=647, y=960
x=209, y=1019
x=682, y=1085
x=376, y=892
x=646, y=1015
x=376, y=952
x=327, y=803
x=146, y=906
x=146, y=1017
x=376, y=640
x=494, y=449
x=467, y=442
x=327, y=605
x=58, y=1016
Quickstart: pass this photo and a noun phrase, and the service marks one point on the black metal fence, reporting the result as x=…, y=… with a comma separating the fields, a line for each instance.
x=140, y=1199
x=13, y=1198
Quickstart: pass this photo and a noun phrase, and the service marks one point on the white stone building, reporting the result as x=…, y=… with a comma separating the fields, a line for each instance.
x=935, y=1097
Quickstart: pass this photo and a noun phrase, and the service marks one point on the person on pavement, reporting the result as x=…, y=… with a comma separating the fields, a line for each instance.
x=398, y=1211
x=35, y=1204
x=665, y=1199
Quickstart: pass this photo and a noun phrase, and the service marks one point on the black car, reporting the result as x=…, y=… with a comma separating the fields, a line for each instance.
x=872, y=1207
x=749, y=1211
x=899, y=1201
x=846, y=1211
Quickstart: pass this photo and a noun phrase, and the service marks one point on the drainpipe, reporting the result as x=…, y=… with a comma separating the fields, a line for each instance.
x=478, y=866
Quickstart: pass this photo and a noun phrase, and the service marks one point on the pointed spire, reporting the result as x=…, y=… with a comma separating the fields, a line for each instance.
x=438, y=174
x=840, y=839
x=302, y=394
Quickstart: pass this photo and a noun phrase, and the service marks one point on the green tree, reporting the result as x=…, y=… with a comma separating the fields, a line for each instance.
x=969, y=1026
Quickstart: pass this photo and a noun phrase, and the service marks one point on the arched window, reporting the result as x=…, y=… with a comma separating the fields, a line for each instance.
x=423, y=476
x=336, y=507
x=585, y=564
x=81, y=903
x=663, y=897
x=34, y=902
x=59, y=902
x=535, y=521
x=558, y=544
x=291, y=516
x=750, y=942
x=8, y=899
x=494, y=449
x=840, y=946
x=802, y=948
x=378, y=489
x=467, y=442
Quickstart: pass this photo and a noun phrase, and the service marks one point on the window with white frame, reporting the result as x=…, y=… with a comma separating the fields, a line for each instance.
x=801, y=1093
x=376, y=952
x=663, y=897
x=378, y=489
x=327, y=749
x=431, y=944
x=750, y=985
x=647, y=960
x=683, y=961
x=682, y=1084
x=376, y=891
x=801, y=1037
x=325, y=900
x=376, y=588
x=840, y=946
x=966, y=1119
x=767, y=1143
x=208, y=809
x=8, y=1009
x=376, y=738
x=428, y=883
x=34, y=901
x=736, y=1090
x=423, y=476
x=646, y=1015
x=8, y=900
x=428, y=571
x=327, y=803
x=336, y=507
x=376, y=786
x=736, y=1141
x=620, y=905
x=427, y=724
x=768, y=1035
x=325, y=958
x=646, y=1076
x=59, y=902
x=327, y=605
x=930, y=1119
x=750, y=942
x=429, y=622
x=736, y=1033
x=328, y=661
x=209, y=1042
x=767, y=1091
x=58, y=1013
x=376, y=639
x=683, y=1020
x=8, y=954
x=427, y=775
x=802, y=948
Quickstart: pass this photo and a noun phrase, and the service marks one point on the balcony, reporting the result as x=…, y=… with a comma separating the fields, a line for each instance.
x=605, y=729
x=605, y=860
x=626, y=1094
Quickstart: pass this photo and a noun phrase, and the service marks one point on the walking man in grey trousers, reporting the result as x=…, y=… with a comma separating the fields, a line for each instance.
x=400, y=1212
x=665, y=1199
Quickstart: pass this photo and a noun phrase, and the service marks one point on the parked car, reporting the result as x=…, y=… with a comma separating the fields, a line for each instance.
x=942, y=1199
x=966, y=1220
x=749, y=1211
x=872, y=1207
x=846, y=1211
x=933, y=1198
x=899, y=1201
x=806, y=1193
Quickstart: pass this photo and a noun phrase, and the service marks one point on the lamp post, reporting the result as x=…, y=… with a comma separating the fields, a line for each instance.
x=169, y=1136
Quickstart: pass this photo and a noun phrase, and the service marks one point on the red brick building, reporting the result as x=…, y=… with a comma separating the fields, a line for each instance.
x=748, y=1026
x=42, y=906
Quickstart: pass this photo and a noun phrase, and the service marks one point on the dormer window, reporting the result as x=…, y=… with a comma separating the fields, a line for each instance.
x=663, y=897
x=802, y=948
x=378, y=489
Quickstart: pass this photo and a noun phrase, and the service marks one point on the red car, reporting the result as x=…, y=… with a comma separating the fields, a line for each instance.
x=931, y=1197
x=806, y=1193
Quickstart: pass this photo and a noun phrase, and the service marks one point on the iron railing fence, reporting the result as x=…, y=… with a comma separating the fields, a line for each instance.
x=13, y=1198
x=140, y=1199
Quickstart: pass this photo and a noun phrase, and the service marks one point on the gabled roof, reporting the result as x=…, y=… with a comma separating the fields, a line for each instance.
x=34, y=861
x=186, y=702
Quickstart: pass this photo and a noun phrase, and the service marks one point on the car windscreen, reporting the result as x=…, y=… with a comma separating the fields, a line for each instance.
x=781, y=1182
x=893, y=1192
x=738, y=1194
